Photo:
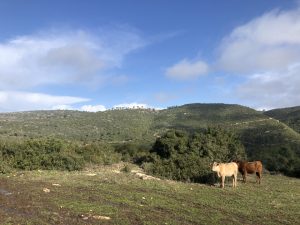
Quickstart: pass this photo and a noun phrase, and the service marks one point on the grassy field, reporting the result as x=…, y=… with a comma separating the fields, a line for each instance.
x=104, y=195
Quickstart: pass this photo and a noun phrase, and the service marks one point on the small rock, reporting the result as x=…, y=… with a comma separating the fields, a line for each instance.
x=101, y=217
x=57, y=185
x=84, y=217
x=91, y=174
x=46, y=190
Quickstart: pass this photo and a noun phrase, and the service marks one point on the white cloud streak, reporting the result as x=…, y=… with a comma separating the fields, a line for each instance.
x=85, y=108
x=92, y=108
x=187, y=70
x=11, y=101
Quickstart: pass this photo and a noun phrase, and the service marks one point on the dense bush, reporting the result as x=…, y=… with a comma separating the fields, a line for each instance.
x=99, y=153
x=180, y=156
x=280, y=159
x=133, y=152
x=40, y=154
x=53, y=154
x=277, y=152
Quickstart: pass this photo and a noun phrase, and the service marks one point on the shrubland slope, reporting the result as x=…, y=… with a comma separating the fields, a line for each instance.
x=263, y=136
x=289, y=116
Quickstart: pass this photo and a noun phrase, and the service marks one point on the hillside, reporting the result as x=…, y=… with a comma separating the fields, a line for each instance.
x=195, y=116
x=140, y=124
x=108, y=126
x=289, y=116
x=264, y=138
x=124, y=125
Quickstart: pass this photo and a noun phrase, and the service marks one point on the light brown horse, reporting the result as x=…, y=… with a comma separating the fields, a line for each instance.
x=250, y=167
x=226, y=170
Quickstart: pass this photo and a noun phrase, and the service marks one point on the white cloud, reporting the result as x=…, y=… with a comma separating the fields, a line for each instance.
x=62, y=107
x=272, y=90
x=85, y=108
x=11, y=101
x=186, y=70
x=92, y=108
x=266, y=53
x=63, y=57
x=268, y=43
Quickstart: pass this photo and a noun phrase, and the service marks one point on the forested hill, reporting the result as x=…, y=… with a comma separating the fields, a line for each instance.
x=125, y=124
x=141, y=124
x=289, y=116
x=260, y=133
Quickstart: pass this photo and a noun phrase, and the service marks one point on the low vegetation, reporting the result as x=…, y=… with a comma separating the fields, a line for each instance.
x=104, y=137
x=289, y=116
x=53, y=154
x=104, y=195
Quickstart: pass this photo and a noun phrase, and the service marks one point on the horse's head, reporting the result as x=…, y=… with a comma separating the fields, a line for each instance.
x=215, y=166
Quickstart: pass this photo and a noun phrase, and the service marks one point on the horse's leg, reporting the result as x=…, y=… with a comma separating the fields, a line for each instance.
x=245, y=176
x=235, y=179
x=223, y=180
x=258, y=177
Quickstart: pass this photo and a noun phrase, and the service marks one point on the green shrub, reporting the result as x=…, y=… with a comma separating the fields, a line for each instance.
x=180, y=156
x=99, y=153
x=40, y=154
x=133, y=152
x=54, y=154
x=127, y=168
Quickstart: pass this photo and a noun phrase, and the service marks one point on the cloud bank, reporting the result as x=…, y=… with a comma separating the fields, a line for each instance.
x=63, y=57
x=266, y=53
x=268, y=43
x=23, y=101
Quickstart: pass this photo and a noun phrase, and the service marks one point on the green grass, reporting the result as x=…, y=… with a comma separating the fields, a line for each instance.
x=127, y=199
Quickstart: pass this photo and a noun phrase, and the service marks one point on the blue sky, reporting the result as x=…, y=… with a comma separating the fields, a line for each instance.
x=96, y=55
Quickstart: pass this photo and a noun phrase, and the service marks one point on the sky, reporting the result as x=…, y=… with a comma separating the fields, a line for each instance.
x=100, y=54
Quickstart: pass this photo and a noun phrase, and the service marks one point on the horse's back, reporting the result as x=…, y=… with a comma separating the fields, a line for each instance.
x=229, y=169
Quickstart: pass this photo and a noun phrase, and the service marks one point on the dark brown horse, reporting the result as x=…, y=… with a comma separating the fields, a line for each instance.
x=250, y=167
